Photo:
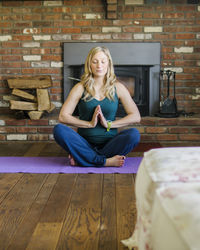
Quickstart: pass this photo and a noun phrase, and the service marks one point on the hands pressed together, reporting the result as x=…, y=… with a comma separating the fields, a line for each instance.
x=98, y=116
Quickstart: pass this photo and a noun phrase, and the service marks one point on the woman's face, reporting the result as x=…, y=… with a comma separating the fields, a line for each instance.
x=99, y=64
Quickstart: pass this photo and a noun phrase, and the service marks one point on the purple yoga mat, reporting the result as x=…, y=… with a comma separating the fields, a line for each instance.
x=60, y=165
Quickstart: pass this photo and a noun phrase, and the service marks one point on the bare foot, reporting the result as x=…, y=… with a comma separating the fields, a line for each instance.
x=115, y=161
x=71, y=160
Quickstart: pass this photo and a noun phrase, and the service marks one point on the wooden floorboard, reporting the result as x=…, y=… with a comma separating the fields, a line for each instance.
x=63, y=211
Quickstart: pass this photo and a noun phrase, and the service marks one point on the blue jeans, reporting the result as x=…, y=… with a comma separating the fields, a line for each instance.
x=86, y=154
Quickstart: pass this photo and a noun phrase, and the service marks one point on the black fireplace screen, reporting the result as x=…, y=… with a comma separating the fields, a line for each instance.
x=134, y=78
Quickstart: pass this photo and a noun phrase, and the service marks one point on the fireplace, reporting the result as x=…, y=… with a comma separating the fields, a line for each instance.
x=137, y=66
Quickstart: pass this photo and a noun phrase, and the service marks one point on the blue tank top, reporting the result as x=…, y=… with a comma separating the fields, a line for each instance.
x=98, y=135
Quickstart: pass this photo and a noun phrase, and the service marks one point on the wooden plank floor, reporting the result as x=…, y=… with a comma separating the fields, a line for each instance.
x=63, y=211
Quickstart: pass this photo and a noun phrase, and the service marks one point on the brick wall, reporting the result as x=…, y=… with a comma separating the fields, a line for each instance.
x=32, y=34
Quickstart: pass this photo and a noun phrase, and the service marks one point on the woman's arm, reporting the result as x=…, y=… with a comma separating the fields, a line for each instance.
x=133, y=114
x=69, y=106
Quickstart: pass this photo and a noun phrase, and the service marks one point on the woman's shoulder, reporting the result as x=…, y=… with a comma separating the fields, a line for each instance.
x=120, y=88
x=78, y=87
x=77, y=90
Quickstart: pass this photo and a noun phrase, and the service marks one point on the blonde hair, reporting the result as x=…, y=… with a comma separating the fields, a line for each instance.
x=88, y=80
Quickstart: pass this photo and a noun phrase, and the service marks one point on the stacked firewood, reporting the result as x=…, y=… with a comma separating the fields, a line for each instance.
x=30, y=96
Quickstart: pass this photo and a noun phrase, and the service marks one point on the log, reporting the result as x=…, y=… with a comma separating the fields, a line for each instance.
x=19, y=105
x=30, y=82
x=10, y=97
x=52, y=107
x=35, y=115
x=43, y=99
x=24, y=94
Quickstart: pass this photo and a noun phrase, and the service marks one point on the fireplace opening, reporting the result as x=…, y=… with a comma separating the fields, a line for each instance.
x=137, y=66
x=134, y=78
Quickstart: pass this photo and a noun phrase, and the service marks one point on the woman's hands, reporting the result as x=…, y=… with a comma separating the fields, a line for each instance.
x=94, y=120
x=102, y=119
x=98, y=115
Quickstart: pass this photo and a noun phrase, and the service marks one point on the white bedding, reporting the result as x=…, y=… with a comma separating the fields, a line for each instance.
x=168, y=200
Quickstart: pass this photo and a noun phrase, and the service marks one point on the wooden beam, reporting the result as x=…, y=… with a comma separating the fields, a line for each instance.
x=35, y=115
x=43, y=99
x=19, y=105
x=30, y=82
x=24, y=94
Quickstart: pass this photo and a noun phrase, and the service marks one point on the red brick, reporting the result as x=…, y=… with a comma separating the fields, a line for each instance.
x=178, y=130
x=2, y=137
x=5, y=51
x=32, y=3
x=132, y=29
x=163, y=36
x=82, y=22
x=102, y=22
x=11, y=71
x=148, y=138
x=51, y=44
x=11, y=64
x=91, y=29
x=5, y=24
x=181, y=76
x=185, y=8
x=51, y=30
x=11, y=58
x=192, y=70
x=144, y=8
x=173, y=15
x=71, y=30
x=132, y=15
x=5, y=130
x=112, y=7
x=173, y=43
x=191, y=137
x=151, y=15
x=23, y=24
x=26, y=130
x=185, y=36
x=111, y=15
x=62, y=9
x=10, y=44
x=195, y=130
x=164, y=8
x=167, y=137
x=73, y=2
x=63, y=23
x=173, y=29
x=172, y=56
x=12, y=3
x=14, y=122
x=148, y=121
x=40, y=51
x=38, y=137
x=156, y=130
x=81, y=37
x=30, y=71
x=189, y=121
x=46, y=130
x=111, y=1
x=55, y=90
x=51, y=58
x=41, y=122
x=52, y=17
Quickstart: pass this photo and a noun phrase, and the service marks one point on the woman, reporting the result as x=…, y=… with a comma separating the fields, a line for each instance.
x=97, y=142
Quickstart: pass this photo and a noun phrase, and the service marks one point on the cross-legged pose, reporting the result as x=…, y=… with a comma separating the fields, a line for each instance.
x=97, y=141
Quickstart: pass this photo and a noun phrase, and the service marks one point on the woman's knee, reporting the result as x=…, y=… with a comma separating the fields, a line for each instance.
x=60, y=129
x=133, y=136
x=57, y=128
